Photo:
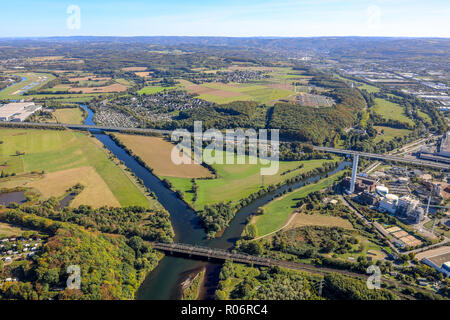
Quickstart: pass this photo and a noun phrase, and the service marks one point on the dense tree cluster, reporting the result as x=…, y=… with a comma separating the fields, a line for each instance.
x=129, y=221
x=111, y=267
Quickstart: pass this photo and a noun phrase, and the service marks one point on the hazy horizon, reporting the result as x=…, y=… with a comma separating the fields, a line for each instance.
x=232, y=18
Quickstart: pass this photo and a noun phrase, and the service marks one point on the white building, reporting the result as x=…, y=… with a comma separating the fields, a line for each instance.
x=444, y=150
x=439, y=262
x=18, y=111
x=388, y=204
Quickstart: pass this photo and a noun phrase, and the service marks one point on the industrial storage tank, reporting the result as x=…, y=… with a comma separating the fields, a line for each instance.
x=382, y=190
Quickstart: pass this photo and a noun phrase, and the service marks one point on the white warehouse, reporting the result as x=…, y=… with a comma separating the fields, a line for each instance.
x=18, y=111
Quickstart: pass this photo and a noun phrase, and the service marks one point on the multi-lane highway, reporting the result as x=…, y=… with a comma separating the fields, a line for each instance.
x=385, y=157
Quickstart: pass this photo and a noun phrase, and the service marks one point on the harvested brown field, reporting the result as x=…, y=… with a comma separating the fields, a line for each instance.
x=156, y=153
x=215, y=92
x=143, y=74
x=47, y=58
x=111, y=88
x=96, y=192
x=134, y=69
x=8, y=230
x=87, y=78
x=301, y=220
x=283, y=86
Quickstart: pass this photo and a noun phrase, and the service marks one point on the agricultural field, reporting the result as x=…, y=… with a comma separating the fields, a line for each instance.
x=69, y=115
x=389, y=110
x=265, y=91
x=156, y=152
x=278, y=211
x=387, y=133
x=154, y=89
x=233, y=182
x=64, y=159
x=116, y=87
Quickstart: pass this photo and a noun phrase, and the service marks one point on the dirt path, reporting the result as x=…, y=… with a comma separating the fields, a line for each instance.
x=279, y=229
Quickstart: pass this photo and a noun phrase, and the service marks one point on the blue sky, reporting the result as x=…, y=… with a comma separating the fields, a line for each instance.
x=299, y=18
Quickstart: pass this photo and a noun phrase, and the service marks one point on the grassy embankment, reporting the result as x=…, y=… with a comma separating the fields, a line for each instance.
x=277, y=212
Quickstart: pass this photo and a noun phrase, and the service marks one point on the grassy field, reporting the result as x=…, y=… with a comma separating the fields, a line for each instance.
x=237, y=181
x=156, y=152
x=69, y=115
x=425, y=116
x=8, y=230
x=278, y=211
x=36, y=80
x=390, y=133
x=438, y=228
x=265, y=91
x=234, y=181
x=367, y=87
x=154, y=89
x=55, y=152
x=389, y=110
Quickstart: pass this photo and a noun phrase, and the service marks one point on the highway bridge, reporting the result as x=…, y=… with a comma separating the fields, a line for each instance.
x=167, y=132
x=82, y=127
x=385, y=157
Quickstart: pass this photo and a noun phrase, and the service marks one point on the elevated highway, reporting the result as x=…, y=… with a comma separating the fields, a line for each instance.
x=385, y=157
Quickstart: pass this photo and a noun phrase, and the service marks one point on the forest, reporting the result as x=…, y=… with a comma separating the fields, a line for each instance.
x=112, y=266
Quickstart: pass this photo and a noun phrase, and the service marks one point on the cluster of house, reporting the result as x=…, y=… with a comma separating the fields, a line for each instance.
x=12, y=248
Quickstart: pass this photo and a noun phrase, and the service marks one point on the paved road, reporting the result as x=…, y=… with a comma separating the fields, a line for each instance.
x=384, y=157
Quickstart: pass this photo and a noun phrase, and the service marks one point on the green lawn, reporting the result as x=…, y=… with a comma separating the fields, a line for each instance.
x=154, y=89
x=390, y=133
x=425, y=116
x=69, y=115
x=52, y=151
x=367, y=87
x=237, y=181
x=389, y=110
x=278, y=211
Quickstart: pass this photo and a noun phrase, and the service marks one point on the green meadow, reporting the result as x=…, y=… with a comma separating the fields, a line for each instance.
x=265, y=91
x=389, y=110
x=389, y=133
x=238, y=181
x=154, y=89
x=28, y=150
x=278, y=211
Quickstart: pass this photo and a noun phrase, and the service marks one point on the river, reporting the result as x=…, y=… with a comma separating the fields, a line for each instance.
x=164, y=282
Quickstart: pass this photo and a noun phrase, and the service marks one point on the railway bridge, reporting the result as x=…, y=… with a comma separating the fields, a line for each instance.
x=221, y=254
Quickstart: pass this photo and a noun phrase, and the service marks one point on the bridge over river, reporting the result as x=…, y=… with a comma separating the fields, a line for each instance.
x=220, y=254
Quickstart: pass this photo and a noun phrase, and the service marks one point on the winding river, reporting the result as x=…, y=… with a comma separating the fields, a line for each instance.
x=164, y=282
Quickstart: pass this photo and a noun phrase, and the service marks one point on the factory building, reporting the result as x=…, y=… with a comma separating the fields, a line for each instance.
x=18, y=111
x=410, y=209
x=388, y=204
x=404, y=207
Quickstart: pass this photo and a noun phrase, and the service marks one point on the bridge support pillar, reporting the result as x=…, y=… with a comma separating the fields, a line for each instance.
x=354, y=172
